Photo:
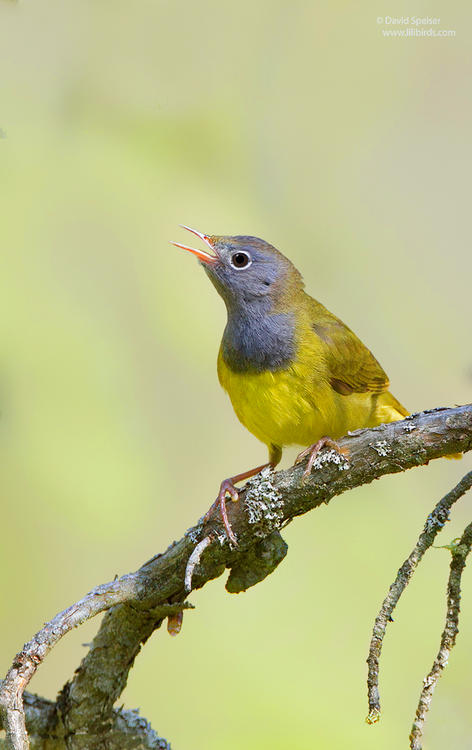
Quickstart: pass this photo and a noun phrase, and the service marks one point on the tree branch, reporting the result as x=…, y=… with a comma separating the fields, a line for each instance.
x=434, y=523
x=460, y=551
x=127, y=731
x=137, y=603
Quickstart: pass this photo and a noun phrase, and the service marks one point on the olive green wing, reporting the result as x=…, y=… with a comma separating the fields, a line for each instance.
x=352, y=368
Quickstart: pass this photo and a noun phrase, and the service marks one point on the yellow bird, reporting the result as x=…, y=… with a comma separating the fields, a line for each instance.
x=295, y=373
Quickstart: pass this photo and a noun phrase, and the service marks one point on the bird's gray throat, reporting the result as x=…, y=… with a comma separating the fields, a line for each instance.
x=255, y=339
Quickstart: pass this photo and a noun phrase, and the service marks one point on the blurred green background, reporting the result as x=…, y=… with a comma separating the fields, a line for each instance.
x=300, y=123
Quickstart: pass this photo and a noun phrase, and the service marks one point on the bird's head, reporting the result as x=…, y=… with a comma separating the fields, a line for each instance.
x=245, y=270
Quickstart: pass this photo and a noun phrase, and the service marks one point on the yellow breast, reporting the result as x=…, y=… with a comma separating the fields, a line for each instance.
x=297, y=405
x=290, y=406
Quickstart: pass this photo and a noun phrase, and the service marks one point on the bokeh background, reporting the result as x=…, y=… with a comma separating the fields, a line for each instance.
x=298, y=122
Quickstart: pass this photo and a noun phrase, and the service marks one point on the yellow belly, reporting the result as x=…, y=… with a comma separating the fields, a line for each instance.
x=298, y=406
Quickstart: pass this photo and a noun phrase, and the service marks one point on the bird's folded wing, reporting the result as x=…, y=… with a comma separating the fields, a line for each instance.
x=351, y=366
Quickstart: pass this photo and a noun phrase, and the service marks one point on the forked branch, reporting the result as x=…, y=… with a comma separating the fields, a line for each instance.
x=460, y=550
x=434, y=523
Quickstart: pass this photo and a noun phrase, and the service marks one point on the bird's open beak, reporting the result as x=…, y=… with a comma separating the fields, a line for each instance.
x=201, y=254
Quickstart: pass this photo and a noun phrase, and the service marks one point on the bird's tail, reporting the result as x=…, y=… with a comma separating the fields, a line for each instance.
x=391, y=410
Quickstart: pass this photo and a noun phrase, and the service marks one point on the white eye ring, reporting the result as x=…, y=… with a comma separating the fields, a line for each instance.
x=242, y=255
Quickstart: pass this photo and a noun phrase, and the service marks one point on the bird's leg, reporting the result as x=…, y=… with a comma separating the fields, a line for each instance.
x=227, y=487
x=312, y=452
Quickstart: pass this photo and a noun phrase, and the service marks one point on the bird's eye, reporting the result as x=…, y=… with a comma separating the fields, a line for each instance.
x=240, y=260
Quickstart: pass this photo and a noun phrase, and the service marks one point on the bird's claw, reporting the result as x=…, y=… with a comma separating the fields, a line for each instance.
x=313, y=451
x=226, y=488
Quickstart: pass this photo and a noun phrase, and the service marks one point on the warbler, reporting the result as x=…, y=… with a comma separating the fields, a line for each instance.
x=295, y=373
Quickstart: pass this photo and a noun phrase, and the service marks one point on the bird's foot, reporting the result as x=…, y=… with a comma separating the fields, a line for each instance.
x=226, y=488
x=313, y=451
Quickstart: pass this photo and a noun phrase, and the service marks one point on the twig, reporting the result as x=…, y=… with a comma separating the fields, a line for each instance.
x=193, y=561
x=448, y=637
x=434, y=524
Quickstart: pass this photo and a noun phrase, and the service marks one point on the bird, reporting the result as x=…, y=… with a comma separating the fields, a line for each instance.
x=294, y=372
